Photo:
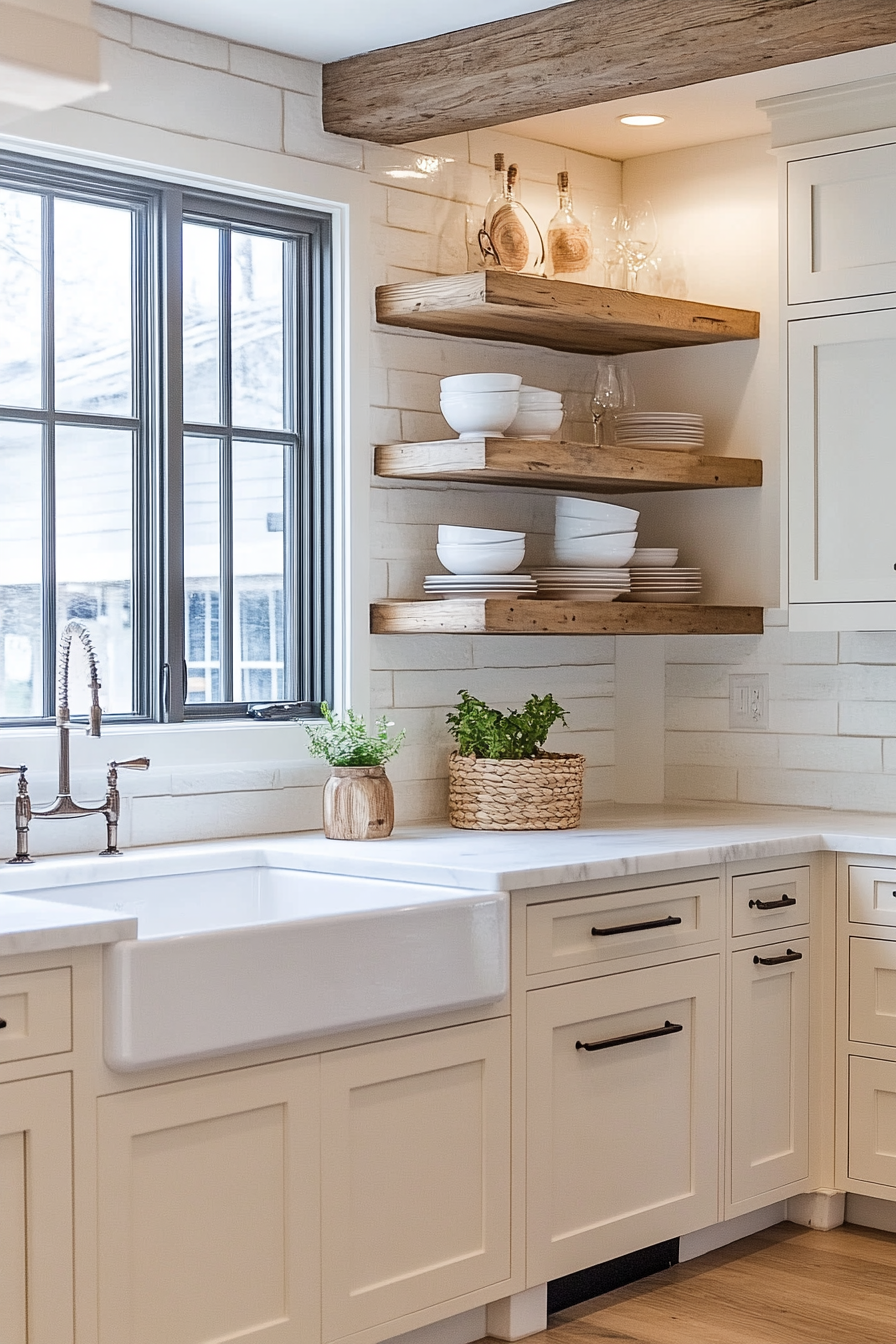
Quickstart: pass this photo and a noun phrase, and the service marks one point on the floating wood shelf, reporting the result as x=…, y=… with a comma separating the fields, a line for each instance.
x=545, y=465
x=583, y=319
x=534, y=616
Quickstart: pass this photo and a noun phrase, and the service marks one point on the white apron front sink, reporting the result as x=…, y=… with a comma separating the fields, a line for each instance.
x=242, y=957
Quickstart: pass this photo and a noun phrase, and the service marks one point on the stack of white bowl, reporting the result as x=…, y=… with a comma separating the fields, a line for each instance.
x=480, y=404
x=480, y=561
x=593, y=543
x=540, y=414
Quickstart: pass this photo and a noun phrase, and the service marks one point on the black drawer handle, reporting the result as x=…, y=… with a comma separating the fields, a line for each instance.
x=773, y=905
x=2, y=1023
x=665, y=923
x=668, y=1030
x=789, y=955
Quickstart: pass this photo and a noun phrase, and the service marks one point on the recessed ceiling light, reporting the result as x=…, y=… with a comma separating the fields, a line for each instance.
x=642, y=119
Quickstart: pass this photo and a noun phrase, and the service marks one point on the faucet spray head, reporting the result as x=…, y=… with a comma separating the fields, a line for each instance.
x=96, y=719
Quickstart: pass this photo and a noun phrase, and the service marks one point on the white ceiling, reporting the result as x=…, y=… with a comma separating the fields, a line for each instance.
x=327, y=30
x=723, y=109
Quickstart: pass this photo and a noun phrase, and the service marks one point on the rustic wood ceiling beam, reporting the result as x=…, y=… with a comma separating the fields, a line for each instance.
x=587, y=51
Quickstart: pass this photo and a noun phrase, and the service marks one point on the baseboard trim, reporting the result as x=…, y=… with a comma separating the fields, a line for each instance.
x=867, y=1211
x=711, y=1238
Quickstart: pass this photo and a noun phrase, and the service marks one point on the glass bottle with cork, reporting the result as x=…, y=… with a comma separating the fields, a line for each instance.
x=570, y=246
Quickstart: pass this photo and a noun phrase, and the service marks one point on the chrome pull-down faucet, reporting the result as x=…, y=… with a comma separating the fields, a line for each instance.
x=65, y=806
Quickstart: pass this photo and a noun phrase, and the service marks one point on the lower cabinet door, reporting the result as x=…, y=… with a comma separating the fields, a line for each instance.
x=415, y=1174
x=623, y=1137
x=209, y=1209
x=872, y=1122
x=769, y=1068
x=36, y=1287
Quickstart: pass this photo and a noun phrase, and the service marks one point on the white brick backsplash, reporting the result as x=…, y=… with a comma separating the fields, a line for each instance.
x=706, y=783
x=802, y=716
x=381, y=692
x=548, y=651
x=379, y=386
x=502, y=687
x=421, y=800
x=112, y=23
x=870, y=793
x=414, y=391
x=424, y=427
x=791, y=788
x=733, y=649
x=599, y=784
x=853, y=754
x=868, y=719
x=598, y=748
x=889, y=749
x=416, y=652
x=405, y=577
x=385, y=425
x=693, y=679
x=404, y=541
x=692, y=714
x=180, y=44
x=734, y=749
x=304, y=135
x=272, y=67
x=178, y=97
x=859, y=646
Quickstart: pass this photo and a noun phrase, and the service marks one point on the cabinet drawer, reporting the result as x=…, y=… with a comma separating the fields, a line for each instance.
x=778, y=900
x=36, y=1011
x=872, y=991
x=872, y=1120
x=840, y=208
x=622, y=924
x=872, y=895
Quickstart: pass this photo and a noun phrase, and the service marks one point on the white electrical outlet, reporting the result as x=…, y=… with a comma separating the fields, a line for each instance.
x=748, y=700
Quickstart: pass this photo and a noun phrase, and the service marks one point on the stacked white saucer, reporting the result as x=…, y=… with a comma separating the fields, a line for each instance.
x=479, y=585
x=665, y=583
x=678, y=431
x=582, y=585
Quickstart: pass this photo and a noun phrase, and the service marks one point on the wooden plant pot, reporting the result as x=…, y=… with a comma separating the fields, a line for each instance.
x=358, y=803
x=542, y=794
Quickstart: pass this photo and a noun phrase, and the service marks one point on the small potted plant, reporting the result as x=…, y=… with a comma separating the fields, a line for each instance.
x=358, y=801
x=500, y=779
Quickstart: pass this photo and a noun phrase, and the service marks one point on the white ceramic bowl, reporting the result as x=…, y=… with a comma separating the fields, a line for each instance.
x=538, y=394
x=476, y=536
x=534, y=422
x=481, y=382
x=482, y=559
x=568, y=528
x=475, y=414
x=656, y=557
x=602, y=517
x=607, y=552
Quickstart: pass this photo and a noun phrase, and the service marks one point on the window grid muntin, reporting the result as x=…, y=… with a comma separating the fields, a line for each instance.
x=157, y=578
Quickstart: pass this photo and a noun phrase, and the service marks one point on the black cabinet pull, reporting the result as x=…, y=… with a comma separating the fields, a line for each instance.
x=634, y=928
x=668, y=1030
x=773, y=905
x=2, y=1023
x=789, y=955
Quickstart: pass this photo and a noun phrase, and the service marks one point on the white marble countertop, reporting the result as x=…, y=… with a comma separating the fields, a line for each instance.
x=613, y=841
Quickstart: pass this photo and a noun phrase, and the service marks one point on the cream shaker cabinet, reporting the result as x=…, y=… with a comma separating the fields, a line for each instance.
x=208, y=1209
x=415, y=1174
x=769, y=1128
x=622, y=1114
x=36, y=1279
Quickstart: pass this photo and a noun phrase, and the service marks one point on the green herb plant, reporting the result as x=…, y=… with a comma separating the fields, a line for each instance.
x=346, y=740
x=518, y=735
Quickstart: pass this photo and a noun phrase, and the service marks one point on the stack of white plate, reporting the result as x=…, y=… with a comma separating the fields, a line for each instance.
x=479, y=585
x=582, y=585
x=676, y=430
x=665, y=583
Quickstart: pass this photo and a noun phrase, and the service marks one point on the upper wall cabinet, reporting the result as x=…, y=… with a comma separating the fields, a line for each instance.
x=840, y=211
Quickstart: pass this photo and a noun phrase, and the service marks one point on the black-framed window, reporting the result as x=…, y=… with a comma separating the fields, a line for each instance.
x=165, y=444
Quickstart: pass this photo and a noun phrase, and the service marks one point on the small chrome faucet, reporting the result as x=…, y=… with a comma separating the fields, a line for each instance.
x=65, y=806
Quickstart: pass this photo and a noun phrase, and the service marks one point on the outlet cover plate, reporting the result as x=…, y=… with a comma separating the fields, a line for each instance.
x=748, y=700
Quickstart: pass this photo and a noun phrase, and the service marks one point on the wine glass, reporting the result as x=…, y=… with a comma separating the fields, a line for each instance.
x=638, y=239
x=607, y=397
x=607, y=223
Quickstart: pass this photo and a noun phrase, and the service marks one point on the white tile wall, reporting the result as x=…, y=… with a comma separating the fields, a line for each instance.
x=831, y=740
x=195, y=84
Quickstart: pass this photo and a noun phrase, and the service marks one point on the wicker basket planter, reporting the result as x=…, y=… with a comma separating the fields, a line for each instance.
x=541, y=794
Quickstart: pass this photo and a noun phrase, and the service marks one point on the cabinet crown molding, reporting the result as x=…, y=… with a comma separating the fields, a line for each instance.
x=822, y=114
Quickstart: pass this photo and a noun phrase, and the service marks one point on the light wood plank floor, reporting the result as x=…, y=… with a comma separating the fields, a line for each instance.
x=788, y=1285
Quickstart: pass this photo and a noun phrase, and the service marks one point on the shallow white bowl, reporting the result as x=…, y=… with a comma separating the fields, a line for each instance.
x=481, y=382
x=586, y=527
x=659, y=557
x=598, y=551
x=534, y=422
x=480, y=413
x=604, y=517
x=482, y=559
x=476, y=536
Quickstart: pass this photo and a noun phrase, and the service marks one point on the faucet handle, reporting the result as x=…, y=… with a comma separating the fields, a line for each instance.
x=138, y=763
x=13, y=769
